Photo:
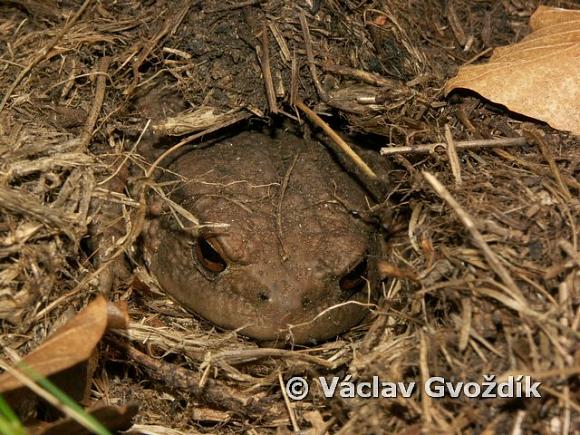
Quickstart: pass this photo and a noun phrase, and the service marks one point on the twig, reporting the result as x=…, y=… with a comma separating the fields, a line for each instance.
x=465, y=144
x=284, y=50
x=91, y=120
x=242, y=356
x=517, y=427
x=452, y=155
x=288, y=404
x=478, y=55
x=567, y=247
x=564, y=398
x=267, y=71
x=466, y=318
x=492, y=260
x=364, y=76
x=337, y=139
x=183, y=379
x=42, y=54
x=294, y=80
x=424, y=369
x=310, y=56
x=127, y=156
x=70, y=81
x=455, y=24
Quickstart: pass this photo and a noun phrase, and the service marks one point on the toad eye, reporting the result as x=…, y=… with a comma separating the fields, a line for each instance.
x=208, y=257
x=354, y=281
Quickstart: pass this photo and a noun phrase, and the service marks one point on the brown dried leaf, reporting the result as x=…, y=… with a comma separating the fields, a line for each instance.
x=66, y=356
x=538, y=77
x=114, y=418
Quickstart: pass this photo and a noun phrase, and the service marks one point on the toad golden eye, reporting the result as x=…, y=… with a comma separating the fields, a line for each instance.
x=354, y=281
x=208, y=257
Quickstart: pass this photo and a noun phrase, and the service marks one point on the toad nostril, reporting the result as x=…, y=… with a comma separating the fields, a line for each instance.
x=263, y=297
x=354, y=281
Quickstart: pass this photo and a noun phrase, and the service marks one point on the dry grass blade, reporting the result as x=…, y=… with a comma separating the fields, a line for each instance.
x=16, y=201
x=535, y=134
x=310, y=56
x=337, y=139
x=452, y=154
x=267, y=70
x=477, y=238
x=102, y=67
x=289, y=406
x=42, y=54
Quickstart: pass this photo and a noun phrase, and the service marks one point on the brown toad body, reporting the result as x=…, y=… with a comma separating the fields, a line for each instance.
x=289, y=262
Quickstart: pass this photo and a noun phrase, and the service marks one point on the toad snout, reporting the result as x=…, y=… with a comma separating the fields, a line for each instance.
x=279, y=307
x=282, y=300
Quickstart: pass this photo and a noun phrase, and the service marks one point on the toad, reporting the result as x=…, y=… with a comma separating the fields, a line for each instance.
x=280, y=254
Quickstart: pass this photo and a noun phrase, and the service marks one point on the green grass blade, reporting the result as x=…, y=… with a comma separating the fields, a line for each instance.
x=9, y=422
x=69, y=406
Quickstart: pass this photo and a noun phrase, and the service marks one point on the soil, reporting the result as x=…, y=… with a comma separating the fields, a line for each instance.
x=481, y=278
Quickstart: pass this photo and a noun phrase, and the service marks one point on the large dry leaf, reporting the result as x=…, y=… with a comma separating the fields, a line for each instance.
x=114, y=418
x=66, y=356
x=538, y=77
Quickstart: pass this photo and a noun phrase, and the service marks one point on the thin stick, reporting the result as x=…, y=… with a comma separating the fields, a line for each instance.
x=91, y=120
x=365, y=76
x=310, y=57
x=424, y=370
x=337, y=139
x=267, y=71
x=294, y=81
x=466, y=318
x=288, y=405
x=564, y=398
x=465, y=144
x=452, y=155
x=184, y=379
x=42, y=54
x=568, y=248
x=492, y=260
x=284, y=50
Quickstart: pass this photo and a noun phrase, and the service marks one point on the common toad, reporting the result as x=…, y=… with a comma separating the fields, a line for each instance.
x=290, y=263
